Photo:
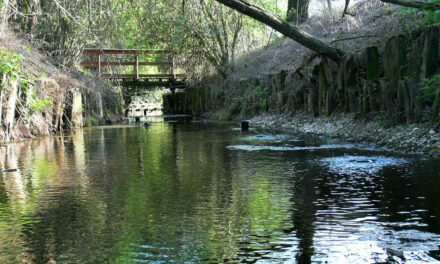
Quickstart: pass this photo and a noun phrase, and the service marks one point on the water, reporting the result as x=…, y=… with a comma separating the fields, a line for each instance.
x=190, y=192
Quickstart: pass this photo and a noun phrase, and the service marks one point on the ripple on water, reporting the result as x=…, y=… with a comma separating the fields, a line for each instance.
x=363, y=164
x=407, y=244
x=287, y=148
x=278, y=138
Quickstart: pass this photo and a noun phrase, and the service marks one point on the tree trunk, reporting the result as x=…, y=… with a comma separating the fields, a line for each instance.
x=2, y=95
x=285, y=28
x=414, y=3
x=4, y=16
x=436, y=107
x=9, y=111
x=297, y=11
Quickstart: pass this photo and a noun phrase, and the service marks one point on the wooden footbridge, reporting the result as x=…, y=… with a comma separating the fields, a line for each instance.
x=130, y=57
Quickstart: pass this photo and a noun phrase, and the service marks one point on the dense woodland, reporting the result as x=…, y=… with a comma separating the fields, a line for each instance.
x=200, y=32
x=209, y=38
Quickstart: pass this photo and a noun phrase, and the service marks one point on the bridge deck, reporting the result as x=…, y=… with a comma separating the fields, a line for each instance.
x=170, y=80
x=143, y=76
x=126, y=51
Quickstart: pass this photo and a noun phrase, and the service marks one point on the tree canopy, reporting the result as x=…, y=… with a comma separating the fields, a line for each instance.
x=203, y=33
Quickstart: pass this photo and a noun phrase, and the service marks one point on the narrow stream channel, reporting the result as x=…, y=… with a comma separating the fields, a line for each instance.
x=190, y=192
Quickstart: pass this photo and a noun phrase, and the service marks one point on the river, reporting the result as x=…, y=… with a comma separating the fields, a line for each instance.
x=185, y=191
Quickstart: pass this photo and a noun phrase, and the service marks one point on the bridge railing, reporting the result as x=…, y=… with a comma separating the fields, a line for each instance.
x=100, y=64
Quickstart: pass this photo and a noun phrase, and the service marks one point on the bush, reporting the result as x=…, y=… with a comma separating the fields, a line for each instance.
x=38, y=105
x=429, y=87
x=10, y=64
x=261, y=95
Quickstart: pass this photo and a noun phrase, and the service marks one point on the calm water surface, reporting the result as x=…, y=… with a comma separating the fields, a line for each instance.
x=190, y=192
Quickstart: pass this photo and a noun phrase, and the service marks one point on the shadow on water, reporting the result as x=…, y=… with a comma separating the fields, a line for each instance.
x=185, y=190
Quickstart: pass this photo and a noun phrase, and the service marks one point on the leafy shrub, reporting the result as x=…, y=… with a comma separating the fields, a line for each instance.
x=261, y=95
x=429, y=88
x=38, y=105
x=10, y=64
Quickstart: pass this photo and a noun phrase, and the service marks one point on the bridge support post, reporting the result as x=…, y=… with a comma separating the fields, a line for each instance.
x=100, y=111
x=173, y=98
x=99, y=65
x=77, y=119
x=136, y=66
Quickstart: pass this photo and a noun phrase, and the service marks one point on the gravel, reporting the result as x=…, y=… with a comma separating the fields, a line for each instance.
x=408, y=138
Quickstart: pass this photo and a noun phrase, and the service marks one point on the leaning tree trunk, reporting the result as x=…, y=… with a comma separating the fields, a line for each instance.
x=414, y=3
x=285, y=28
x=297, y=11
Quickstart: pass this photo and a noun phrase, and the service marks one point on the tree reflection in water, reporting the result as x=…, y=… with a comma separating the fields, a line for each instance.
x=175, y=192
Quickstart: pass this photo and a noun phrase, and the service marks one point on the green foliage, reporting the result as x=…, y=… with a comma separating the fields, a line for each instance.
x=380, y=117
x=407, y=12
x=10, y=65
x=432, y=16
x=38, y=105
x=292, y=11
x=202, y=33
x=376, y=14
x=93, y=121
x=429, y=87
x=261, y=95
x=407, y=78
x=234, y=107
x=374, y=86
x=389, y=10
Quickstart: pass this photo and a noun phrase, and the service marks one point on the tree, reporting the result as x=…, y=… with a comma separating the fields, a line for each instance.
x=297, y=11
x=329, y=5
x=216, y=29
x=4, y=16
x=285, y=28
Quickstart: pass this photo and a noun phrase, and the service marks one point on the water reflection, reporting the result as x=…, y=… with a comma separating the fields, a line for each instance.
x=304, y=217
x=175, y=192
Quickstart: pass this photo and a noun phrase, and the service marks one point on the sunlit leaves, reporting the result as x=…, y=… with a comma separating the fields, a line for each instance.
x=205, y=32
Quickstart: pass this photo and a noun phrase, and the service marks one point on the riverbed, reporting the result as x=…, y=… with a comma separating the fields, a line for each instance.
x=184, y=190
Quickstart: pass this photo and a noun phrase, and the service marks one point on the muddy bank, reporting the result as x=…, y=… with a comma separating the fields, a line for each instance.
x=420, y=138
